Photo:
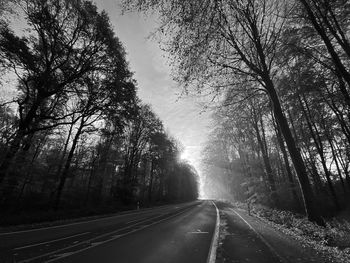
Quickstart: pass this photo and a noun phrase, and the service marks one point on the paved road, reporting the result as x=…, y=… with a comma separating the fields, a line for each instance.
x=245, y=238
x=175, y=233
x=169, y=234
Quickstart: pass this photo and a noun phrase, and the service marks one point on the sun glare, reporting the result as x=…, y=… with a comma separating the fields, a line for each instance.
x=184, y=156
x=191, y=155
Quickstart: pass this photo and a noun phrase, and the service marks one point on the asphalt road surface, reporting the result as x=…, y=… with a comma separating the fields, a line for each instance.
x=175, y=233
x=179, y=233
x=246, y=238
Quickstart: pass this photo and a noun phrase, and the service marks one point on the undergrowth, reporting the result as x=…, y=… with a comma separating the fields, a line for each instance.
x=334, y=239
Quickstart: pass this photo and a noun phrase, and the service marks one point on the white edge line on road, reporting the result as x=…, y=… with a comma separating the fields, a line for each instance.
x=51, y=241
x=281, y=259
x=133, y=212
x=215, y=239
x=64, y=255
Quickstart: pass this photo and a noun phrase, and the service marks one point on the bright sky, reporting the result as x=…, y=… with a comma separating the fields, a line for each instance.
x=182, y=117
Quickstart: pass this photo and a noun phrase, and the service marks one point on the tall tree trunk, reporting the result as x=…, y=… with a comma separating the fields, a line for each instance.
x=332, y=23
x=161, y=185
x=143, y=179
x=246, y=171
x=29, y=175
x=10, y=155
x=310, y=205
x=105, y=158
x=64, y=174
x=64, y=151
x=340, y=68
x=266, y=160
x=315, y=174
x=16, y=142
x=338, y=113
x=344, y=164
x=286, y=162
x=151, y=182
x=319, y=146
x=90, y=182
x=335, y=158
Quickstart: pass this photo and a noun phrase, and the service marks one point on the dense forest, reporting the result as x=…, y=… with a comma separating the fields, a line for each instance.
x=73, y=132
x=278, y=76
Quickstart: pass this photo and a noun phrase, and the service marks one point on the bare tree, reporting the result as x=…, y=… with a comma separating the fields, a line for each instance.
x=216, y=44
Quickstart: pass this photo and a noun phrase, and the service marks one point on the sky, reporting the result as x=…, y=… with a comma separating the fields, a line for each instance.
x=183, y=117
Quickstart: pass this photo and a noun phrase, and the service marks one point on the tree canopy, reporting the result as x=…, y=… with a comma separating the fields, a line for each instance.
x=76, y=132
x=248, y=53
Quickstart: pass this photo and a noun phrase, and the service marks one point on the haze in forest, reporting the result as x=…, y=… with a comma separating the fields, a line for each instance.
x=245, y=102
x=99, y=96
x=183, y=116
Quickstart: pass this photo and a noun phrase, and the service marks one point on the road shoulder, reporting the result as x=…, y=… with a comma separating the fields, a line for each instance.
x=266, y=243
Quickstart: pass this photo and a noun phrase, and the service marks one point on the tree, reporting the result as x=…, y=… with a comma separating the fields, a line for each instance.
x=217, y=44
x=68, y=40
x=107, y=95
x=327, y=18
x=77, y=131
x=138, y=134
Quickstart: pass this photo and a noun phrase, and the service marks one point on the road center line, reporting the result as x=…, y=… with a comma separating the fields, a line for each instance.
x=137, y=212
x=119, y=236
x=91, y=240
x=139, y=219
x=51, y=241
x=103, y=235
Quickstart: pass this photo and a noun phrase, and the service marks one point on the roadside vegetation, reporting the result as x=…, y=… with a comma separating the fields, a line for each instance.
x=278, y=76
x=75, y=139
x=333, y=240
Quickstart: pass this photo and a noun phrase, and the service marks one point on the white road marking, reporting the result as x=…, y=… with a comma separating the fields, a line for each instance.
x=94, y=244
x=51, y=241
x=132, y=221
x=198, y=231
x=143, y=211
x=103, y=242
x=89, y=241
x=281, y=259
x=214, y=242
x=64, y=254
x=109, y=240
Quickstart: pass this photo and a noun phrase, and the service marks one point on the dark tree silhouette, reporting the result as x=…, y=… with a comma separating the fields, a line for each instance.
x=216, y=44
